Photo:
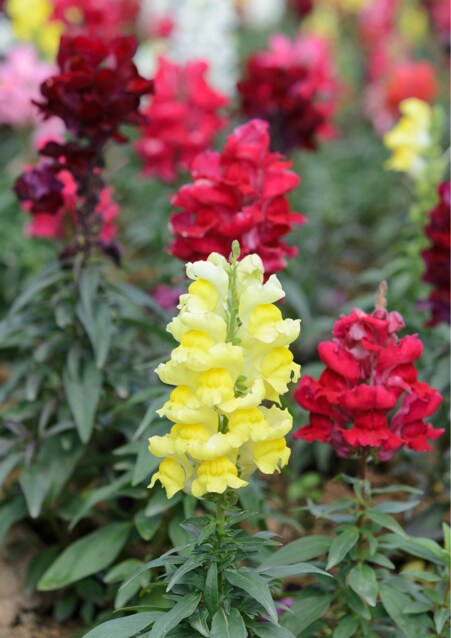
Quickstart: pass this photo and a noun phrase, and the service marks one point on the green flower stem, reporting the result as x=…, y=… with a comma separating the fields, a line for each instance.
x=362, y=464
x=233, y=302
x=220, y=521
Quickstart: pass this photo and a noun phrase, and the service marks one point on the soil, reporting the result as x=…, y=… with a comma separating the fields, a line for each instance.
x=23, y=616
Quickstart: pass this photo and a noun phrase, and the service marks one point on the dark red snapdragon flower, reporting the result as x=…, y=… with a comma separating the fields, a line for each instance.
x=437, y=258
x=183, y=118
x=302, y=7
x=98, y=88
x=240, y=194
x=292, y=86
x=40, y=187
x=51, y=194
x=369, y=395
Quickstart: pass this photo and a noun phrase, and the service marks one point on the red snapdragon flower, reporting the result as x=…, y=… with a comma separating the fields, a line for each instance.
x=240, y=194
x=395, y=83
x=292, y=86
x=437, y=258
x=98, y=88
x=91, y=17
x=369, y=374
x=183, y=118
x=413, y=78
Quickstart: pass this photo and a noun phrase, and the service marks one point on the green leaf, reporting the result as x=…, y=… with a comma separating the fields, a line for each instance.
x=419, y=575
x=65, y=607
x=140, y=298
x=250, y=582
x=82, y=390
x=89, y=282
x=384, y=520
x=8, y=464
x=183, y=609
x=188, y=566
x=35, y=483
x=362, y=579
x=211, y=593
x=382, y=560
x=356, y=604
x=447, y=537
x=229, y=625
x=394, y=603
x=440, y=618
x=104, y=333
x=161, y=561
x=299, y=550
x=422, y=547
x=393, y=507
x=305, y=611
x=268, y=630
x=11, y=512
x=124, y=627
x=38, y=565
x=347, y=628
x=99, y=329
x=44, y=280
x=95, y=496
x=298, y=569
x=341, y=546
x=86, y=556
x=147, y=526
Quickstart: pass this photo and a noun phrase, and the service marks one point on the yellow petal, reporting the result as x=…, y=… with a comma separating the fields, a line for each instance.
x=270, y=456
x=214, y=387
x=171, y=475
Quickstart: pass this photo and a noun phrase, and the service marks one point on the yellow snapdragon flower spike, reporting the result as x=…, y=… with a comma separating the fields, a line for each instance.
x=410, y=139
x=233, y=359
x=31, y=22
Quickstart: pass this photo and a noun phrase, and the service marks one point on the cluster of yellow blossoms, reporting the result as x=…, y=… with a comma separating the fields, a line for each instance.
x=31, y=22
x=410, y=139
x=233, y=356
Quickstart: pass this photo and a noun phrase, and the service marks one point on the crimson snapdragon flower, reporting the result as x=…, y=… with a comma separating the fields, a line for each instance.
x=369, y=395
x=437, y=258
x=292, y=86
x=240, y=193
x=98, y=88
x=183, y=118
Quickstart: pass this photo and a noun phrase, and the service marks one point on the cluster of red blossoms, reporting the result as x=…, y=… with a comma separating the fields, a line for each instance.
x=292, y=86
x=183, y=118
x=437, y=258
x=369, y=373
x=98, y=89
x=90, y=17
x=240, y=194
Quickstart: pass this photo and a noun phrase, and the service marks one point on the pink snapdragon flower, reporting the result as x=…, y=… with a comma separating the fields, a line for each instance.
x=21, y=75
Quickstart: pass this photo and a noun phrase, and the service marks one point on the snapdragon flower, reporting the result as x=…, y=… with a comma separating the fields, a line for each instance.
x=231, y=365
x=410, y=139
